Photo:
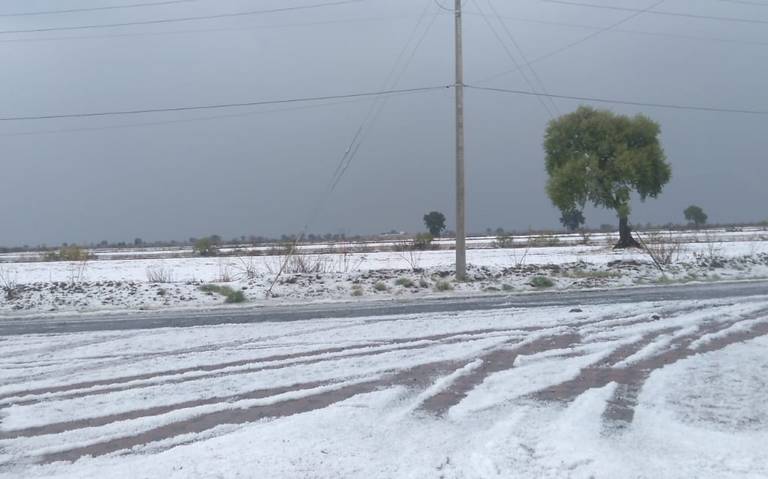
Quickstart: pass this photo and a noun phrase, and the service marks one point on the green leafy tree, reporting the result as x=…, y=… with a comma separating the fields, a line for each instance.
x=694, y=214
x=435, y=223
x=600, y=157
x=572, y=219
x=206, y=247
x=422, y=241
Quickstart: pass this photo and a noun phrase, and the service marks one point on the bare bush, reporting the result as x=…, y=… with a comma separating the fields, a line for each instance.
x=519, y=257
x=504, y=241
x=77, y=270
x=307, y=264
x=159, y=274
x=348, y=261
x=8, y=282
x=710, y=255
x=297, y=263
x=246, y=267
x=413, y=258
x=225, y=273
x=712, y=245
x=543, y=241
x=663, y=249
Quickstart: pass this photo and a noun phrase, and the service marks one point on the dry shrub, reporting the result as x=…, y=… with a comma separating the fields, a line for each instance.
x=225, y=273
x=76, y=271
x=308, y=264
x=663, y=249
x=504, y=241
x=245, y=267
x=159, y=274
x=346, y=259
x=69, y=253
x=8, y=282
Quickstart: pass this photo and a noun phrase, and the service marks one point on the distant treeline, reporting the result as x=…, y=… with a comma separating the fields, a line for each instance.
x=340, y=237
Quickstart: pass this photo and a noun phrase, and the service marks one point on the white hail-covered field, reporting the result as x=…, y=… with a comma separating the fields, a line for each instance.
x=108, y=284
x=672, y=389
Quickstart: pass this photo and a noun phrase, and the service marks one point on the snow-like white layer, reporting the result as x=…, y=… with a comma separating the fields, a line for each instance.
x=702, y=415
x=126, y=285
x=211, y=269
x=709, y=236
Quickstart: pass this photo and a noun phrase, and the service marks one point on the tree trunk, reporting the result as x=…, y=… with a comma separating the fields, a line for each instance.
x=625, y=235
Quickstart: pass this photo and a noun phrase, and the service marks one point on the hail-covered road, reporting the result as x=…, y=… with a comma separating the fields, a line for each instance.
x=651, y=382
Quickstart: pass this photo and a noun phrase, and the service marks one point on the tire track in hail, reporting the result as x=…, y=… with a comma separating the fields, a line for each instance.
x=503, y=360
x=415, y=377
x=120, y=359
x=243, y=362
x=620, y=410
x=493, y=362
x=398, y=345
x=56, y=428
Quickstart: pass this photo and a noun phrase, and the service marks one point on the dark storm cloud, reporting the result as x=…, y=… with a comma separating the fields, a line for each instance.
x=260, y=171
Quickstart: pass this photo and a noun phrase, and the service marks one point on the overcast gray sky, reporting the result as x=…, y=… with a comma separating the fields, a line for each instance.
x=257, y=170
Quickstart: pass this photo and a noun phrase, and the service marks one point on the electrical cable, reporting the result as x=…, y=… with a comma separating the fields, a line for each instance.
x=672, y=106
x=184, y=19
x=659, y=12
x=96, y=9
x=519, y=68
x=579, y=41
x=222, y=105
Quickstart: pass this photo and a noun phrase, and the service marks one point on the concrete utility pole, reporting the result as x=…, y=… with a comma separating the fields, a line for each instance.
x=461, y=246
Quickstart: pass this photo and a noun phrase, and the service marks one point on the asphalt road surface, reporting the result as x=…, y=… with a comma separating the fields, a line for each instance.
x=149, y=320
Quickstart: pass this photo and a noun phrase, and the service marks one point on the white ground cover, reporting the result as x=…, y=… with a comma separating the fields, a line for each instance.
x=120, y=285
x=701, y=412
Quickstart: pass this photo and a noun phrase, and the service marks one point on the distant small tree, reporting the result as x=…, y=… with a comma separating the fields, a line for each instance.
x=138, y=242
x=69, y=253
x=694, y=214
x=422, y=241
x=572, y=219
x=435, y=223
x=205, y=247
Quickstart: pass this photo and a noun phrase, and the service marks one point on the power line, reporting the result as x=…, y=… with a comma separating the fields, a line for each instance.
x=97, y=9
x=592, y=35
x=391, y=81
x=634, y=31
x=659, y=12
x=223, y=105
x=189, y=120
x=206, y=30
x=746, y=2
x=526, y=63
x=375, y=110
x=671, y=106
x=184, y=19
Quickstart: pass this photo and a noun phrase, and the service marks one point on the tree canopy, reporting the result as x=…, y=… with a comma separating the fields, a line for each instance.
x=694, y=214
x=599, y=157
x=435, y=223
x=572, y=219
